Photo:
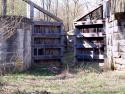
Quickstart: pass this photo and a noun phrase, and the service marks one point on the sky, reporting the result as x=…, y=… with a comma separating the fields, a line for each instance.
x=89, y=4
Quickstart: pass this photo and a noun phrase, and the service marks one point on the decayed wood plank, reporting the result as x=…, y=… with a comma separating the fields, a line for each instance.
x=43, y=10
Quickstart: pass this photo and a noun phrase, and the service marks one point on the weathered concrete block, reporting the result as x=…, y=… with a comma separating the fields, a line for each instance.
x=119, y=61
x=116, y=55
x=122, y=43
x=122, y=55
x=117, y=36
x=18, y=45
x=122, y=48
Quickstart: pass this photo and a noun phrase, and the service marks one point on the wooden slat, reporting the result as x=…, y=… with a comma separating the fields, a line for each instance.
x=42, y=23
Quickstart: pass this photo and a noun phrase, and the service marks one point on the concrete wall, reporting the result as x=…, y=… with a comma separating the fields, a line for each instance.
x=16, y=49
x=115, y=38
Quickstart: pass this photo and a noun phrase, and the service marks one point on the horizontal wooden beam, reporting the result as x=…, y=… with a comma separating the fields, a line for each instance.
x=43, y=10
x=48, y=23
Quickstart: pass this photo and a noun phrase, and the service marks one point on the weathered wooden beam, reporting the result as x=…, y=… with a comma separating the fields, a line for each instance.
x=43, y=10
x=4, y=7
x=47, y=23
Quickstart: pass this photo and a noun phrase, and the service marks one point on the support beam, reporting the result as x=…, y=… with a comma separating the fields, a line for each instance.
x=4, y=7
x=43, y=10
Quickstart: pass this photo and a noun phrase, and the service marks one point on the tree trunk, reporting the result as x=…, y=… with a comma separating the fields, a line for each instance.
x=4, y=7
x=57, y=4
x=12, y=7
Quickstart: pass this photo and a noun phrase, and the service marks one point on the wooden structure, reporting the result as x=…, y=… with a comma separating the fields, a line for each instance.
x=47, y=43
x=47, y=38
x=31, y=41
x=89, y=41
x=115, y=32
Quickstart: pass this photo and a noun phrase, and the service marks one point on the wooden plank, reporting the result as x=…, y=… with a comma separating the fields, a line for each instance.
x=43, y=10
x=48, y=23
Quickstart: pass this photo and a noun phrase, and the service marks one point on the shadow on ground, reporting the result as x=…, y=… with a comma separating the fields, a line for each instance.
x=39, y=71
x=53, y=71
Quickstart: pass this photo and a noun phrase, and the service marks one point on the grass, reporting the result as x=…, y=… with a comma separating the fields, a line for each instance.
x=83, y=82
x=82, y=79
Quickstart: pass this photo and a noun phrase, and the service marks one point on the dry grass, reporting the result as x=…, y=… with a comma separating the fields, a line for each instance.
x=84, y=81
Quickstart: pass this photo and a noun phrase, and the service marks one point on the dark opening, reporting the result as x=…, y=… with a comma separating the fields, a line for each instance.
x=40, y=51
x=35, y=51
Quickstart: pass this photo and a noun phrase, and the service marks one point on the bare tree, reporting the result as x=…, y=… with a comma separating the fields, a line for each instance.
x=8, y=26
x=12, y=6
x=67, y=10
x=56, y=7
x=48, y=6
x=76, y=8
x=43, y=5
x=4, y=7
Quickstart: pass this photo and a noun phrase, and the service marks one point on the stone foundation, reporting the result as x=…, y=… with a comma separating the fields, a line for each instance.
x=115, y=37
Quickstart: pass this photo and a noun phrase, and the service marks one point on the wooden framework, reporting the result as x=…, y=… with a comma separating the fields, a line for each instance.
x=47, y=42
x=96, y=11
x=89, y=40
x=47, y=38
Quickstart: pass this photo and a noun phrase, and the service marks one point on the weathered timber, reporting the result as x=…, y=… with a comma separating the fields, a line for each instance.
x=44, y=23
x=47, y=42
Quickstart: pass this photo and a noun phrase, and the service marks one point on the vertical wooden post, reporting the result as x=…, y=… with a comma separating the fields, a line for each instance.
x=4, y=7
